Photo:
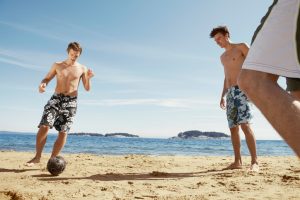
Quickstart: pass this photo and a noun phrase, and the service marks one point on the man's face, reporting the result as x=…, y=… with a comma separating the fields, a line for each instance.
x=73, y=55
x=221, y=39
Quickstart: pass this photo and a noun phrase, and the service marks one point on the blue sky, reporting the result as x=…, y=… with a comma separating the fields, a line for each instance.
x=157, y=72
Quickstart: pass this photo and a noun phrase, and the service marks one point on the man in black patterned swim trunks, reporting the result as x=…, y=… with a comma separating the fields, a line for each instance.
x=237, y=104
x=60, y=110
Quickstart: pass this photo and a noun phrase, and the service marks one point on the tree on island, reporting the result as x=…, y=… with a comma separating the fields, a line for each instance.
x=105, y=135
x=199, y=134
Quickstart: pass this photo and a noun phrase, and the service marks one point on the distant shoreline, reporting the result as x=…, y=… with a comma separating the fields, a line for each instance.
x=194, y=134
x=55, y=133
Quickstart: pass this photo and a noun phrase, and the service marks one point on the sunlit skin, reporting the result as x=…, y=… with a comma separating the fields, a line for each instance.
x=232, y=60
x=68, y=74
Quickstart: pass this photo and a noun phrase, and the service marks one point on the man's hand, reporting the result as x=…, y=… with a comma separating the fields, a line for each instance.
x=222, y=103
x=42, y=87
x=89, y=73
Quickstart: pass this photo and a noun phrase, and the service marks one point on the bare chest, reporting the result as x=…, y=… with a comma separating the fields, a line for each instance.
x=69, y=73
x=232, y=56
x=232, y=60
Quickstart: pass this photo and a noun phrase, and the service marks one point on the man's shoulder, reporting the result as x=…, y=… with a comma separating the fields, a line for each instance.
x=241, y=45
x=58, y=63
x=81, y=65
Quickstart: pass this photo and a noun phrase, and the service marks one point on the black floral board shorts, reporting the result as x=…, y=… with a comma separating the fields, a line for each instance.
x=59, y=112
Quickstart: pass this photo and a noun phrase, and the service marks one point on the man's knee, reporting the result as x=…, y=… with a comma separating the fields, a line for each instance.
x=44, y=128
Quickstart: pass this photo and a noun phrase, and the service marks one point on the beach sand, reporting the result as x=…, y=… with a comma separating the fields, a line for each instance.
x=148, y=177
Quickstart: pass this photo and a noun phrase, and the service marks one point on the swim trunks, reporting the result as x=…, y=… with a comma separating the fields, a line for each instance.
x=59, y=112
x=237, y=107
x=276, y=42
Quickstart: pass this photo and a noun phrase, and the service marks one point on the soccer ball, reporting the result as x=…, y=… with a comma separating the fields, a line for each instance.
x=56, y=165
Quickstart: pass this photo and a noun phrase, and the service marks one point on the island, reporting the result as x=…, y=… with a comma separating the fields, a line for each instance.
x=104, y=135
x=87, y=134
x=120, y=135
x=195, y=134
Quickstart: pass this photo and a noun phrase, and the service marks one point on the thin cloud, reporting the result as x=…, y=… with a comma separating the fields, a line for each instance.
x=19, y=64
x=168, y=103
x=97, y=41
x=32, y=60
x=28, y=56
x=144, y=51
x=36, y=31
x=20, y=88
x=19, y=109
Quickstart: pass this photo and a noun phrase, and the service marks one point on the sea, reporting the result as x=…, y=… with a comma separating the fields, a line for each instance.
x=145, y=146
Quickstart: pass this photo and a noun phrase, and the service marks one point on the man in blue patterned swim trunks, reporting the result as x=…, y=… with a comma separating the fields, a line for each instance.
x=237, y=104
x=60, y=110
x=238, y=108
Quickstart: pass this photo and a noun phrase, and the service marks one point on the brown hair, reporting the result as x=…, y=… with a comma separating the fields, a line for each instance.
x=75, y=46
x=220, y=29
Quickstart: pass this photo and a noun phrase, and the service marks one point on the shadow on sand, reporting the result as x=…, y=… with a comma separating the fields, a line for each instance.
x=155, y=175
x=16, y=170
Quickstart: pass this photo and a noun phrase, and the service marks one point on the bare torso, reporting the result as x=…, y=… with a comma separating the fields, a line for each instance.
x=68, y=77
x=232, y=61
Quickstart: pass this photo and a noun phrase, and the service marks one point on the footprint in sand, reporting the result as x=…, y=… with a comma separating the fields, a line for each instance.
x=286, y=178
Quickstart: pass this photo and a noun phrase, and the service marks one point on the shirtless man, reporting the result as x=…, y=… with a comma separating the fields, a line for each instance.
x=61, y=108
x=237, y=104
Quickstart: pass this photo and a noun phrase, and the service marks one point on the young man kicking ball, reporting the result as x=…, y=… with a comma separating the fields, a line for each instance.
x=60, y=110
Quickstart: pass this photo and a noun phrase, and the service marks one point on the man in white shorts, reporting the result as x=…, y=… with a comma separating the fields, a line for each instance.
x=275, y=51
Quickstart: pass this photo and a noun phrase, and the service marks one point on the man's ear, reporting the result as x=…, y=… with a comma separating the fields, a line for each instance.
x=227, y=35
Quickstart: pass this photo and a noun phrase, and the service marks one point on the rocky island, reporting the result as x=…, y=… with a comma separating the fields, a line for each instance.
x=104, y=135
x=194, y=134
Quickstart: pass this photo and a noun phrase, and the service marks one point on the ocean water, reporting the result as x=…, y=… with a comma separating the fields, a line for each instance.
x=146, y=146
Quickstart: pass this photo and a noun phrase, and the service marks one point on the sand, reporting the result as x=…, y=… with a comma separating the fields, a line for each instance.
x=148, y=177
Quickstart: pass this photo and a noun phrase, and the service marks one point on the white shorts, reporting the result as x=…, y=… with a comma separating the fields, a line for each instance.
x=275, y=46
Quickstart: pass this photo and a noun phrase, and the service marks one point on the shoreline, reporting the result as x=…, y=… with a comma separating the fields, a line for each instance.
x=89, y=176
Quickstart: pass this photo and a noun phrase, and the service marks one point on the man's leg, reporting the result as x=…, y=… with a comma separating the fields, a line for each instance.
x=251, y=143
x=41, y=139
x=281, y=109
x=59, y=143
x=296, y=94
x=236, y=143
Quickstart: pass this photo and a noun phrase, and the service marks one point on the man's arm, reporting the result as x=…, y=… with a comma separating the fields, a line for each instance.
x=222, y=101
x=244, y=48
x=47, y=79
x=86, y=78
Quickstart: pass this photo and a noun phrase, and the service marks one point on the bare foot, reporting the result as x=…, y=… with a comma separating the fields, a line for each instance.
x=32, y=162
x=233, y=166
x=254, y=168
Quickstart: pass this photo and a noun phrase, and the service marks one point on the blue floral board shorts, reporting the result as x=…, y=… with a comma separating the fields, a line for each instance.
x=237, y=107
x=59, y=112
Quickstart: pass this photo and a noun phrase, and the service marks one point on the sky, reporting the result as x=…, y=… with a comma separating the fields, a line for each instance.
x=157, y=72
